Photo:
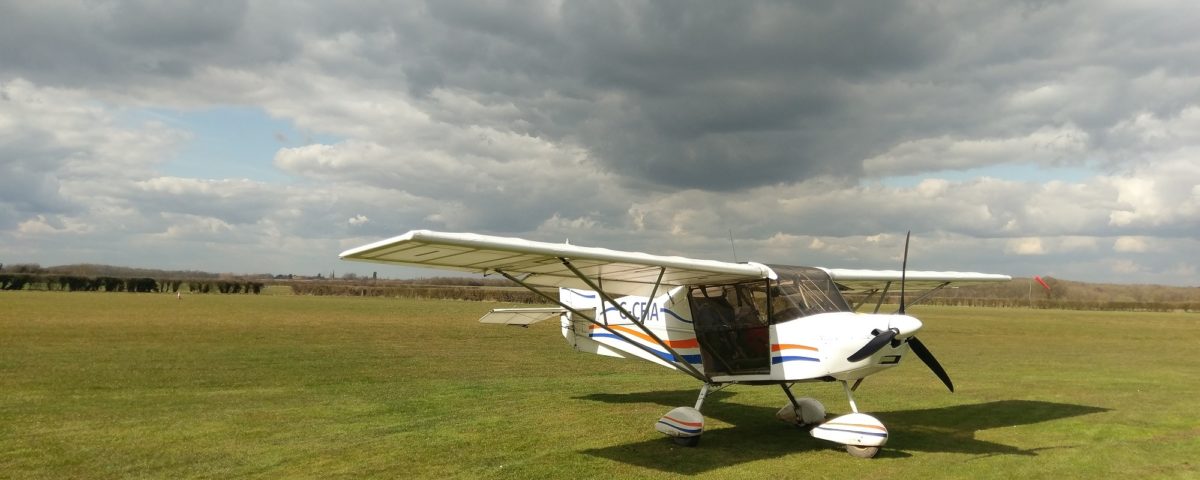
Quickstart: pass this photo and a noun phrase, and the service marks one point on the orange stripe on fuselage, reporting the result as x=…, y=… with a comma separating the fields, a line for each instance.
x=689, y=343
x=874, y=427
x=790, y=346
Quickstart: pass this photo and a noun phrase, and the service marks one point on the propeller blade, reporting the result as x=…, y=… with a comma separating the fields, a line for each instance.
x=882, y=338
x=904, y=270
x=927, y=357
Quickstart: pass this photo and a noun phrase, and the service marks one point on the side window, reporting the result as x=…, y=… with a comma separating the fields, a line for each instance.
x=786, y=303
x=711, y=309
x=742, y=305
x=801, y=291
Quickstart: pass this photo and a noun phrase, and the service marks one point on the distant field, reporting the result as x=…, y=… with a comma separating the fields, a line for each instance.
x=144, y=385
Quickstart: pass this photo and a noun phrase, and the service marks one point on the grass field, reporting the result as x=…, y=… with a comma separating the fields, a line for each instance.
x=101, y=385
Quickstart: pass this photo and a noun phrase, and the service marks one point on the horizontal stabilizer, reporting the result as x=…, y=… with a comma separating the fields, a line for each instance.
x=521, y=316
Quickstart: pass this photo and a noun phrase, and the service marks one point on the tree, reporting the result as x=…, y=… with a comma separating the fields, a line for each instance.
x=1058, y=289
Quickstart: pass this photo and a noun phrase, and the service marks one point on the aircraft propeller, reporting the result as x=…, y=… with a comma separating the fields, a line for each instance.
x=931, y=362
x=884, y=337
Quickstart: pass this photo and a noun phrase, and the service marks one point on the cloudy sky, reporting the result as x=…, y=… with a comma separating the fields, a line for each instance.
x=1037, y=137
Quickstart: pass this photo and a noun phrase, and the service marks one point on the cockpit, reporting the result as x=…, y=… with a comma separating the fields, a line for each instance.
x=796, y=292
x=732, y=321
x=803, y=291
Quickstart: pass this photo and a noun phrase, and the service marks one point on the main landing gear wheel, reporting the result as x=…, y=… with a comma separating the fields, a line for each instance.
x=686, y=441
x=862, y=452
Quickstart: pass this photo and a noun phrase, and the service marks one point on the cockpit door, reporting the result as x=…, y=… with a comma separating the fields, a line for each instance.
x=732, y=327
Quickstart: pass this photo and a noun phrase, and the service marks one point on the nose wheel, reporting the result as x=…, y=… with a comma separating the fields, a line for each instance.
x=861, y=434
x=862, y=452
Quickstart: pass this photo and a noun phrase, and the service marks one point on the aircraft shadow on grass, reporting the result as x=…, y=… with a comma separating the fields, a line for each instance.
x=756, y=434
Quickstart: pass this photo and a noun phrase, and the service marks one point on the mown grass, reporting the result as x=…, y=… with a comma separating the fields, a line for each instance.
x=100, y=385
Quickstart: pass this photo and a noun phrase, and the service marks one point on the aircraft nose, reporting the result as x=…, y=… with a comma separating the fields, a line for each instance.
x=905, y=325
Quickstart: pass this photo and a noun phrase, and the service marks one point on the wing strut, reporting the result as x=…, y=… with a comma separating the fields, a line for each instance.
x=882, y=296
x=864, y=300
x=927, y=294
x=681, y=366
x=607, y=298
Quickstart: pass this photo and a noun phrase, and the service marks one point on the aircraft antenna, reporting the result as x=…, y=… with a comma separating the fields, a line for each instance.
x=732, y=246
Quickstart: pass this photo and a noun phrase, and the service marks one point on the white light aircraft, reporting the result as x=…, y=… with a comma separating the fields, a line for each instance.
x=722, y=323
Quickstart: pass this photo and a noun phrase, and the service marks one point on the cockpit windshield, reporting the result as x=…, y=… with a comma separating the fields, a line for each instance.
x=803, y=291
x=733, y=321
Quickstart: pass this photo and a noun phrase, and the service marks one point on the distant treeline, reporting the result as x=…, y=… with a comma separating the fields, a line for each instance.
x=1096, y=305
x=93, y=270
x=463, y=291
x=76, y=283
x=1020, y=292
x=1064, y=294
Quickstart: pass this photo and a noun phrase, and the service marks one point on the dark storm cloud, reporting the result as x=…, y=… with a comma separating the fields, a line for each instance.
x=727, y=96
x=116, y=43
x=717, y=95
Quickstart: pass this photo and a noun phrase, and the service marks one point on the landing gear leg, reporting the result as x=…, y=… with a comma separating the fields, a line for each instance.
x=703, y=394
x=803, y=412
x=850, y=395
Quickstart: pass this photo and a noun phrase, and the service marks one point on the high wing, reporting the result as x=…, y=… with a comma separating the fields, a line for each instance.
x=871, y=282
x=553, y=264
x=866, y=279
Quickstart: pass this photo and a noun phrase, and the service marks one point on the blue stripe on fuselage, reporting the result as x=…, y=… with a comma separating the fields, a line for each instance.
x=663, y=355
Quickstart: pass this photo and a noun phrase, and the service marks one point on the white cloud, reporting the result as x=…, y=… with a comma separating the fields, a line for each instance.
x=1080, y=244
x=193, y=227
x=557, y=225
x=1130, y=244
x=53, y=225
x=1126, y=267
x=1048, y=145
x=1026, y=246
x=1157, y=194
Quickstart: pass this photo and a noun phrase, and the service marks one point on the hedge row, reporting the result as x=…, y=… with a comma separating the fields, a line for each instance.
x=508, y=295
x=222, y=286
x=76, y=283
x=518, y=295
x=1094, y=305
